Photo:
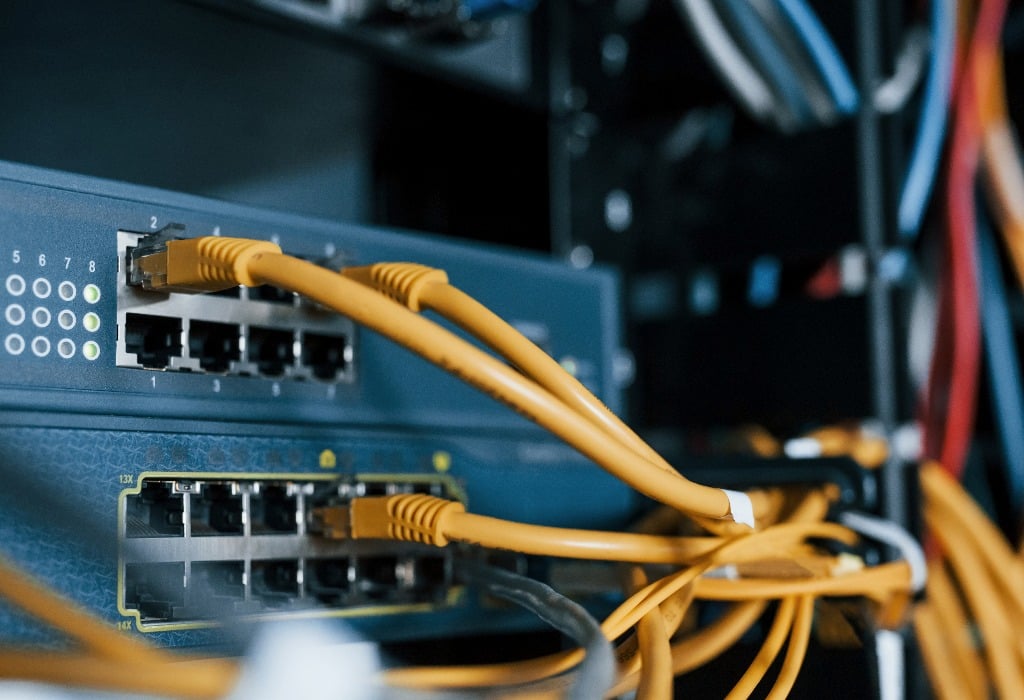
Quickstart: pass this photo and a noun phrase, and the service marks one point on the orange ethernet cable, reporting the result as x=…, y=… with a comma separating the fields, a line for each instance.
x=210, y=263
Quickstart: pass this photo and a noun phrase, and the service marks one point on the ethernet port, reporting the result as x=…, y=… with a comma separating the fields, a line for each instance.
x=325, y=355
x=430, y=575
x=156, y=511
x=216, y=586
x=430, y=488
x=218, y=510
x=271, y=350
x=377, y=577
x=155, y=590
x=215, y=345
x=274, y=510
x=154, y=340
x=375, y=488
x=330, y=583
x=274, y=295
x=275, y=583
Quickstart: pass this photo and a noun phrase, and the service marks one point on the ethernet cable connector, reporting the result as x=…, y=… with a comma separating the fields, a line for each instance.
x=169, y=263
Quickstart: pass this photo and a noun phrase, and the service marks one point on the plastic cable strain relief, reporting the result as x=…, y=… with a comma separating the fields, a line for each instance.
x=228, y=258
x=403, y=282
x=417, y=518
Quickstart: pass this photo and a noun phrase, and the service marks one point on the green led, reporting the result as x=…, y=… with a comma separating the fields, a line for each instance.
x=91, y=349
x=91, y=293
x=91, y=321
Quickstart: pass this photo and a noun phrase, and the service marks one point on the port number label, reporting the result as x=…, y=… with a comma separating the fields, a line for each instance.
x=42, y=260
x=67, y=263
x=152, y=222
x=124, y=626
x=92, y=266
x=124, y=479
x=275, y=389
x=152, y=380
x=16, y=257
x=216, y=386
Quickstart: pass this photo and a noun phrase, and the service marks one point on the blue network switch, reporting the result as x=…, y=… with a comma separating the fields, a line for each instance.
x=160, y=453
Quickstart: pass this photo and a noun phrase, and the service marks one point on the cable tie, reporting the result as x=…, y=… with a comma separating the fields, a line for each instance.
x=895, y=535
x=728, y=572
x=740, y=507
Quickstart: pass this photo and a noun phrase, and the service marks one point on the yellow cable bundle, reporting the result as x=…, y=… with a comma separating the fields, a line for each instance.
x=989, y=575
x=543, y=392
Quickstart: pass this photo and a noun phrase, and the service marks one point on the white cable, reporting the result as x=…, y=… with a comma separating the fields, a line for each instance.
x=739, y=76
x=895, y=91
x=893, y=534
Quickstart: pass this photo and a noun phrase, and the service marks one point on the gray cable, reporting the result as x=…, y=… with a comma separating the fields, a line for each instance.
x=738, y=75
x=596, y=673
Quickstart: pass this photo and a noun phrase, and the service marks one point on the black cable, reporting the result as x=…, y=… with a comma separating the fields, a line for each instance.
x=596, y=673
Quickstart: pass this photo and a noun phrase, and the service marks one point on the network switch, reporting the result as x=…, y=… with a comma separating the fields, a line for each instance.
x=164, y=454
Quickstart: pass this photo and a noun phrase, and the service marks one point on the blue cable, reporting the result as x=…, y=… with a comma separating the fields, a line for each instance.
x=1003, y=365
x=823, y=52
x=769, y=56
x=927, y=149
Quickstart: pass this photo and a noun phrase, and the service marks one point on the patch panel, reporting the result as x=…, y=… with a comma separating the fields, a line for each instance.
x=263, y=331
x=197, y=547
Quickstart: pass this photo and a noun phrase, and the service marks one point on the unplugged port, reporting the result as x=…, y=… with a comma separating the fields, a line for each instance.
x=154, y=340
x=275, y=583
x=271, y=350
x=330, y=583
x=155, y=590
x=214, y=345
x=325, y=355
x=274, y=510
x=156, y=511
x=218, y=510
x=214, y=580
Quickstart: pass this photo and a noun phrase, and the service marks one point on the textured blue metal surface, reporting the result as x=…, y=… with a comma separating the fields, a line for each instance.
x=75, y=432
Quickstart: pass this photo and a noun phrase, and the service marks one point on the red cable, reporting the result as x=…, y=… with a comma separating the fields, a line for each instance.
x=953, y=379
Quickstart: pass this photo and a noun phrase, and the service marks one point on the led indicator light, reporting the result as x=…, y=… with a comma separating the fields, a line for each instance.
x=41, y=288
x=15, y=314
x=41, y=317
x=14, y=344
x=66, y=348
x=40, y=346
x=66, y=319
x=442, y=461
x=16, y=285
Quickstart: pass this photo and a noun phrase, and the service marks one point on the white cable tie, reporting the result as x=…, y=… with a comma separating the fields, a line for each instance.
x=895, y=535
x=728, y=572
x=740, y=507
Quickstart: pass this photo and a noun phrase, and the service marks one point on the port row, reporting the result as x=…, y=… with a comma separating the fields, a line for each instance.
x=197, y=548
x=169, y=594
x=163, y=342
x=260, y=332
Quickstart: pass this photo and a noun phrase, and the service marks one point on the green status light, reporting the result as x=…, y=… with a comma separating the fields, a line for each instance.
x=91, y=321
x=91, y=293
x=91, y=350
